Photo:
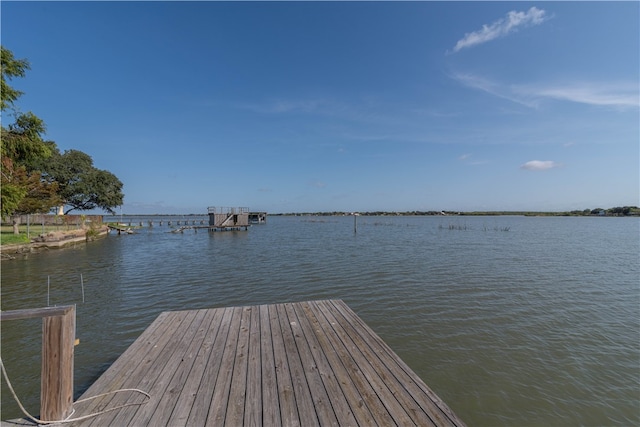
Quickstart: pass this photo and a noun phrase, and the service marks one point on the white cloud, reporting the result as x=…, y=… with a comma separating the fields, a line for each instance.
x=493, y=88
x=468, y=160
x=502, y=27
x=286, y=106
x=358, y=110
x=603, y=94
x=599, y=94
x=540, y=165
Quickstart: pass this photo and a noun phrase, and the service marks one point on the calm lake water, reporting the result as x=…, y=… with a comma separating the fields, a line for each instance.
x=510, y=320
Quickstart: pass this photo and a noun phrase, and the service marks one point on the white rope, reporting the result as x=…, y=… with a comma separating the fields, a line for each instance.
x=69, y=420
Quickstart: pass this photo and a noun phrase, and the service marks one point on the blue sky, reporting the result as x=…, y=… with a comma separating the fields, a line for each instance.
x=323, y=106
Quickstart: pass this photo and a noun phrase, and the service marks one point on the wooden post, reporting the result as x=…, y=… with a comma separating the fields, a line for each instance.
x=58, y=338
x=56, y=390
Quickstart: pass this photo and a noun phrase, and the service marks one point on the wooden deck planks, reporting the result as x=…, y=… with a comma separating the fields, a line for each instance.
x=319, y=376
x=150, y=345
x=304, y=340
x=218, y=406
x=186, y=400
x=348, y=403
x=304, y=364
x=270, y=399
x=202, y=402
x=159, y=371
x=253, y=404
x=400, y=404
x=434, y=407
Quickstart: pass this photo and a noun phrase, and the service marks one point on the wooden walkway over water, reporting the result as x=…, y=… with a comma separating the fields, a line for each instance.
x=294, y=364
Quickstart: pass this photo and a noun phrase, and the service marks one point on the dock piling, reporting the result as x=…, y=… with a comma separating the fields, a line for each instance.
x=58, y=338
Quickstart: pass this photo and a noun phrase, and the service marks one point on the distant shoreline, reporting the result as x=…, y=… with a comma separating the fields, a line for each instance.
x=626, y=211
x=614, y=212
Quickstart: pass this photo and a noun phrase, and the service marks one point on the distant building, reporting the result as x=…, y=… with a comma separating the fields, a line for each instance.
x=228, y=217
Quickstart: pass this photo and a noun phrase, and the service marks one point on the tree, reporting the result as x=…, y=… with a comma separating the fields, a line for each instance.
x=13, y=187
x=81, y=185
x=35, y=176
x=11, y=68
x=21, y=144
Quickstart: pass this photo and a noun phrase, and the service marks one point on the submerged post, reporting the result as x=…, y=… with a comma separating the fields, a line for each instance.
x=58, y=338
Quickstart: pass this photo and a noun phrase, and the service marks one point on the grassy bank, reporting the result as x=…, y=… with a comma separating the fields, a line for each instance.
x=8, y=238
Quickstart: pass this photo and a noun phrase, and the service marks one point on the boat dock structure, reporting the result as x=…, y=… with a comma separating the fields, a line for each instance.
x=312, y=363
x=219, y=219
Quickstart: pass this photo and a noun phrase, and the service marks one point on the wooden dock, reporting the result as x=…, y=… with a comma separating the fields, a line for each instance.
x=295, y=364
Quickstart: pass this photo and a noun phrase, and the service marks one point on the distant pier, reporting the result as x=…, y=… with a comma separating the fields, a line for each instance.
x=218, y=219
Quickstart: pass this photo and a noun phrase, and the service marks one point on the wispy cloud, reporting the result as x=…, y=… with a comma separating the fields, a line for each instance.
x=604, y=94
x=540, y=165
x=502, y=27
x=359, y=110
x=496, y=89
x=467, y=159
x=287, y=106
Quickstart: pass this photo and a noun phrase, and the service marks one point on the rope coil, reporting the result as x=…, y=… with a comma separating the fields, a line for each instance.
x=68, y=419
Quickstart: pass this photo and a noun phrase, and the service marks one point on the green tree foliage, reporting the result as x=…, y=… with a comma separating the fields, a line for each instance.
x=81, y=185
x=21, y=144
x=23, y=192
x=11, y=67
x=35, y=176
x=13, y=188
x=622, y=210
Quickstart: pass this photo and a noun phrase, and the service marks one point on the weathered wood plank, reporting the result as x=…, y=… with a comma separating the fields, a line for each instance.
x=33, y=313
x=184, y=403
x=304, y=402
x=393, y=408
x=150, y=343
x=430, y=403
x=330, y=370
x=270, y=399
x=204, y=396
x=155, y=351
x=218, y=408
x=238, y=386
x=172, y=379
x=363, y=399
x=254, y=408
x=155, y=375
x=304, y=340
x=288, y=408
x=397, y=396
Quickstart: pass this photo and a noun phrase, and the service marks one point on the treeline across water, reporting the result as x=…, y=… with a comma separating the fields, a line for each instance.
x=616, y=211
